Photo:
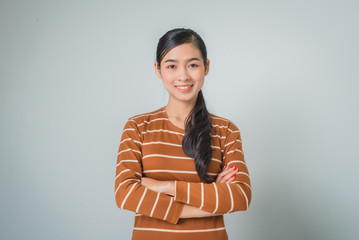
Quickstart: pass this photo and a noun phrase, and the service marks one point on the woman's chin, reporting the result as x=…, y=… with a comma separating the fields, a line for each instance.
x=186, y=98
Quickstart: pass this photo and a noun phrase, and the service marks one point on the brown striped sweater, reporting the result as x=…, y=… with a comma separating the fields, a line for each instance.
x=151, y=146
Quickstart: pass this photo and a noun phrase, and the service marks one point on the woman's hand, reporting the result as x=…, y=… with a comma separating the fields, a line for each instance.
x=166, y=187
x=227, y=175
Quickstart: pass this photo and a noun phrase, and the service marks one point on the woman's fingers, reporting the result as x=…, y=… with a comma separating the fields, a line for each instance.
x=230, y=179
x=227, y=175
x=222, y=174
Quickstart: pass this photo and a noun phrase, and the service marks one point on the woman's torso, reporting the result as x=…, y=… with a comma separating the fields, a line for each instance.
x=163, y=159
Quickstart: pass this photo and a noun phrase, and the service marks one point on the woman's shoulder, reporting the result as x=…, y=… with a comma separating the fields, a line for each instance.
x=147, y=116
x=222, y=122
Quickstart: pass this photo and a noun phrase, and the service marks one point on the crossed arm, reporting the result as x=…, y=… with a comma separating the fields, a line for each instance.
x=169, y=188
x=171, y=200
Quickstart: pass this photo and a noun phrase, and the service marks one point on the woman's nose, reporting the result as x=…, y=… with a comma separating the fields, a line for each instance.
x=182, y=74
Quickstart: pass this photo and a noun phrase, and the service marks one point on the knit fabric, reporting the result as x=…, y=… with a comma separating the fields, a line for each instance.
x=151, y=146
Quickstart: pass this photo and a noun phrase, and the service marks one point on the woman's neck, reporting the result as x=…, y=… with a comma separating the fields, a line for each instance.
x=178, y=111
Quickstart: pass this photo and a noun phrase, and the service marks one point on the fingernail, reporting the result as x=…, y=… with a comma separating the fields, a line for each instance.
x=234, y=175
x=235, y=168
x=225, y=167
x=232, y=166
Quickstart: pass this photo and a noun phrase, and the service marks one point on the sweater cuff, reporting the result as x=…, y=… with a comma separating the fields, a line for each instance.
x=175, y=212
x=180, y=191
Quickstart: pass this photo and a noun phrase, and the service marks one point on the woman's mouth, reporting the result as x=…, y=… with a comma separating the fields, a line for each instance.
x=184, y=88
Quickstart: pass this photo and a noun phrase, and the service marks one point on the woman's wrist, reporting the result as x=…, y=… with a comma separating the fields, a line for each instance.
x=167, y=187
x=189, y=211
x=170, y=188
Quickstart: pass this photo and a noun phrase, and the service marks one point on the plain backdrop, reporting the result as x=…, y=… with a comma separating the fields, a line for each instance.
x=72, y=72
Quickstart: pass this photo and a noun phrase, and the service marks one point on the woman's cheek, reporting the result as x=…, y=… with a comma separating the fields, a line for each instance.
x=168, y=79
x=198, y=73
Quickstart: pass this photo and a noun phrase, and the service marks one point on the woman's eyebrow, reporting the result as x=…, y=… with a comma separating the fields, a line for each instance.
x=191, y=59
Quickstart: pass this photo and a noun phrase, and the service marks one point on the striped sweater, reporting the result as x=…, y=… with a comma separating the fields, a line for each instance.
x=151, y=146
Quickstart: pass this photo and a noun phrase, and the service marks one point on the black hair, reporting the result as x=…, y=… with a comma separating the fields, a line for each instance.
x=196, y=142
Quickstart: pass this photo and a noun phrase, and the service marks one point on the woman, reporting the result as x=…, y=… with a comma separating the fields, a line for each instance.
x=180, y=168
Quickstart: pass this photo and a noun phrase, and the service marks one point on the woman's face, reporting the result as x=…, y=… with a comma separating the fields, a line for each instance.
x=182, y=72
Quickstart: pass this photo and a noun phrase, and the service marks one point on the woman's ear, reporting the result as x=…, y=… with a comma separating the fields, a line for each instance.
x=206, y=68
x=157, y=70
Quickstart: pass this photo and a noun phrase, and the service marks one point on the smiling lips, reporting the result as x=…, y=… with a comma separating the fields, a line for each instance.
x=184, y=88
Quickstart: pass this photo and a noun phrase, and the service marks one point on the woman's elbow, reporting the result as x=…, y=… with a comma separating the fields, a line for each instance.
x=123, y=190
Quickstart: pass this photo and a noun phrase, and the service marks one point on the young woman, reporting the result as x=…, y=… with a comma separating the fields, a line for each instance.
x=180, y=168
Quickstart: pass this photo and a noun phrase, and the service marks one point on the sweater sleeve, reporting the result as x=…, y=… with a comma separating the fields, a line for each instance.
x=130, y=194
x=221, y=198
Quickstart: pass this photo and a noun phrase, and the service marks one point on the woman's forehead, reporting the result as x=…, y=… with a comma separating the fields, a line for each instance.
x=183, y=52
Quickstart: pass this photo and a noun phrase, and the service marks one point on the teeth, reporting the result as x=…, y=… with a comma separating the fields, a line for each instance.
x=184, y=87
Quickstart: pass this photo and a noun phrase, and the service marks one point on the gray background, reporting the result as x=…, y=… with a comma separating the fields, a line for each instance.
x=72, y=72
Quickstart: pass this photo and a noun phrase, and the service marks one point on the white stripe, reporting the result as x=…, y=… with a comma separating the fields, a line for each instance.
x=151, y=121
x=173, y=144
x=243, y=183
x=128, y=139
x=216, y=160
x=235, y=150
x=128, y=194
x=129, y=150
x=218, y=136
x=164, y=143
x=176, y=157
x=162, y=130
x=154, y=206
x=239, y=161
x=168, y=209
x=214, y=125
x=129, y=129
x=132, y=129
x=126, y=170
x=125, y=140
x=245, y=196
x=118, y=187
x=237, y=140
x=139, y=204
x=179, y=231
x=233, y=131
x=176, y=171
x=188, y=192
x=202, y=196
x=146, y=114
x=126, y=161
x=217, y=148
x=167, y=156
x=231, y=195
x=215, y=188
x=138, y=141
x=130, y=179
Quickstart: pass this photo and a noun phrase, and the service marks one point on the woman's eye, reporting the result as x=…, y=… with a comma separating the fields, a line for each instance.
x=193, y=65
x=171, y=66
